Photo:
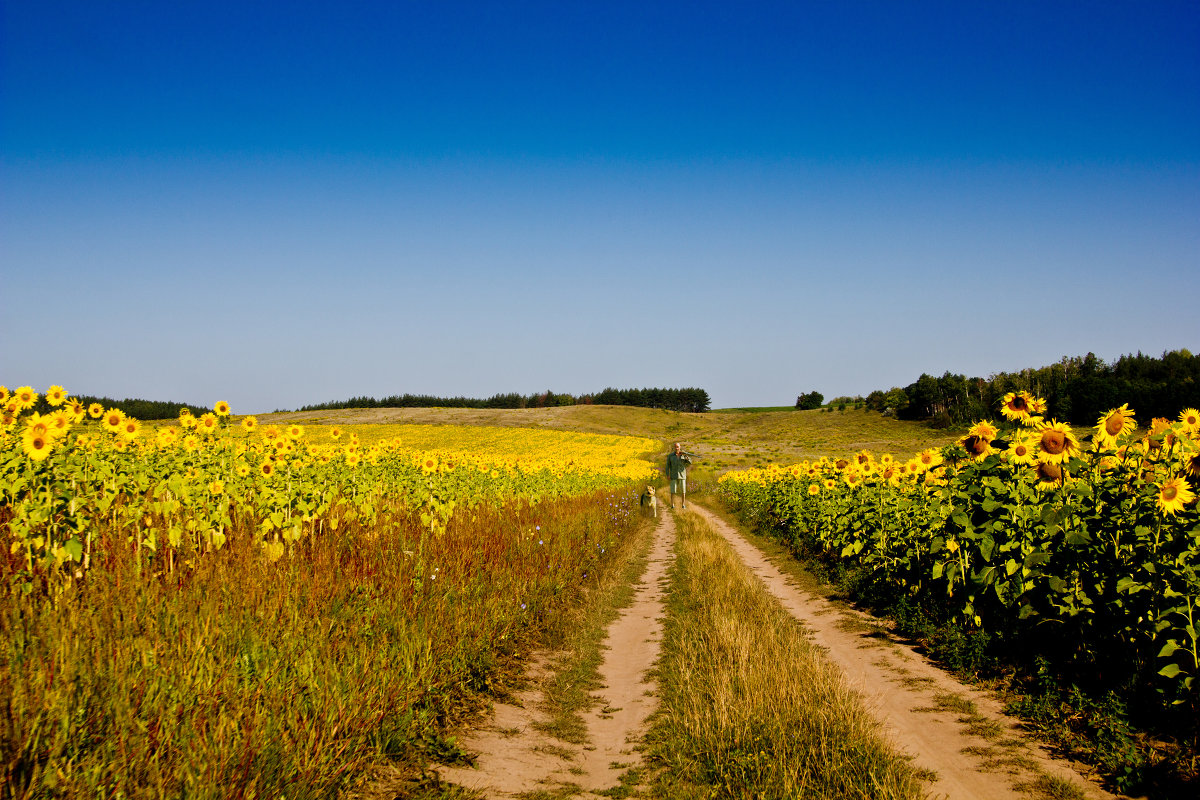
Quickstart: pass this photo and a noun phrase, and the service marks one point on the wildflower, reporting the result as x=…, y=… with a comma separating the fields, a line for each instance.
x=221, y=409
x=1190, y=418
x=208, y=423
x=113, y=419
x=1021, y=451
x=95, y=411
x=249, y=423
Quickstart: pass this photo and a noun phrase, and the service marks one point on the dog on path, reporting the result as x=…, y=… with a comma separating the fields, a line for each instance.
x=649, y=499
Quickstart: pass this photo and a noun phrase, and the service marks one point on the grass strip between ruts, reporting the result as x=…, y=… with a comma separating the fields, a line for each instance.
x=749, y=707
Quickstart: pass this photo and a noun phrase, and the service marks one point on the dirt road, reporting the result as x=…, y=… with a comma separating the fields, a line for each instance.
x=515, y=757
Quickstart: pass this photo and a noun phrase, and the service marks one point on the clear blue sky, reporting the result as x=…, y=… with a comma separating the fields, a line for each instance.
x=285, y=203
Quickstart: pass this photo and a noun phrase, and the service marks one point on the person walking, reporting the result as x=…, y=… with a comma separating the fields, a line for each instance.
x=677, y=464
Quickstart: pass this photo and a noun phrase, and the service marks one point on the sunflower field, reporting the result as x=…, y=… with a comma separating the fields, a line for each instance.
x=218, y=607
x=1083, y=549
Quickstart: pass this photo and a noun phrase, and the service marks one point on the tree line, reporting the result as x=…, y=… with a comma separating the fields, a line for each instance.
x=135, y=407
x=689, y=399
x=1077, y=390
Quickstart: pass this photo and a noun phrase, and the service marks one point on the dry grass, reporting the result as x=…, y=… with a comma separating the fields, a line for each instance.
x=749, y=706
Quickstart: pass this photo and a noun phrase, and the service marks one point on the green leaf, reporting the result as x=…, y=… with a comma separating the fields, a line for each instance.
x=1170, y=671
x=1168, y=649
x=74, y=548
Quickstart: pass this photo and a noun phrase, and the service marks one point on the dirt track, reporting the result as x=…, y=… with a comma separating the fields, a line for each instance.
x=514, y=757
x=983, y=757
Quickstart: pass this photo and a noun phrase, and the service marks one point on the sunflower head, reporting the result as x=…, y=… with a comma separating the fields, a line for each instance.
x=1016, y=406
x=221, y=409
x=1055, y=443
x=1116, y=423
x=26, y=397
x=114, y=418
x=56, y=396
x=1190, y=418
x=978, y=447
x=1021, y=451
x=814, y=488
x=37, y=445
x=249, y=423
x=1049, y=474
x=1173, y=495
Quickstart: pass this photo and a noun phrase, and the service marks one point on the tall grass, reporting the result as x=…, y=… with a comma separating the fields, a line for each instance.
x=749, y=706
x=236, y=677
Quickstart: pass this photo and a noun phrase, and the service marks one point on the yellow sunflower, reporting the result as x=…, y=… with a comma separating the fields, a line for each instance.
x=208, y=423
x=4, y=393
x=113, y=419
x=191, y=443
x=929, y=458
x=1048, y=474
x=130, y=428
x=37, y=446
x=1116, y=423
x=1054, y=442
x=1173, y=495
x=249, y=423
x=77, y=409
x=242, y=469
x=335, y=433
x=1190, y=418
x=1017, y=406
x=188, y=422
x=266, y=467
x=221, y=408
x=60, y=422
x=814, y=488
x=26, y=397
x=830, y=483
x=1021, y=451
x=352, y=459
x=56, y=396
x=295, y=431
x=216, y=488
x=1191, y=464
x=978, y=447
x=95, y=411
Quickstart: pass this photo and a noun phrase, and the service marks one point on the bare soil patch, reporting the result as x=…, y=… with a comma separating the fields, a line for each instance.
x=513, y=756
x=956, y=732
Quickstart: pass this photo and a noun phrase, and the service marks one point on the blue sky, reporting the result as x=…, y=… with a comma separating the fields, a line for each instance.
x=285, y=203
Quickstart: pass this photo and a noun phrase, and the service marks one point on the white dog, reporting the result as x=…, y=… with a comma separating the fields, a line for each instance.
x=649, y=499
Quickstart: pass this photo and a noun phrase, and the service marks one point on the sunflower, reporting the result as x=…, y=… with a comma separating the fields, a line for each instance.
x=1017, y=406
x=37, y=446
x=95, y=411
x=188, y=421
x=852, y=477
x=191, y=443
x=863, y=458
x=929, y=458
x=1048, y=474
x=1191, y=464
x=4, y=394
x=1055, y=443
x=978, y=446
x=77, y=408
x=249, y=423
x=60, y=422
x=294, y=431
x=221, y=408
x=37, y=425
x=335, y=432
x=814, y=488
x=352, y=459
x=242, y=469
x=270, y=432
x=266, y=467
x=216, y=488
x=1021, y=451
x=1114, y=424
x=56, y=396
x=1190, y=418
x=1173, y=495
x=26, y=397
x=830, y=483
x=113, y=419
x=130, y=428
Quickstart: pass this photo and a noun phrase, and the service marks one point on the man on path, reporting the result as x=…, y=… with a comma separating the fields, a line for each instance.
x=677, y=464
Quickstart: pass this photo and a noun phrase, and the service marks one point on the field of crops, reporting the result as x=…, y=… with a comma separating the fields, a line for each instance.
x=1079, y=548
x=219, y=608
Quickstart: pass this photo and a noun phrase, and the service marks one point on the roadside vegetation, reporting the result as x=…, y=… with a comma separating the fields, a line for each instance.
x=1063, y=562
x=749, y=706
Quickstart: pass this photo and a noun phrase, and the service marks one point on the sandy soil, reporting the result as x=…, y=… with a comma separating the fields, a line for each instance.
x=901, y=689
x=513, y=756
